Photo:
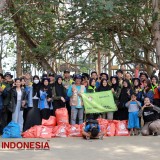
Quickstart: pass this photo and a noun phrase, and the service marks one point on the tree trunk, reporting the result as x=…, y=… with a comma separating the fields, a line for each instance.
x=19, y=58
x=27, y=38
x=99, y=62
x=156, y=28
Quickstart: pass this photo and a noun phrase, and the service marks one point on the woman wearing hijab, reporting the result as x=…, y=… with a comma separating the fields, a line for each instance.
x=125, y=96
x=104, y=86
x=33, y=116
x=45, y=100
x=58, y=94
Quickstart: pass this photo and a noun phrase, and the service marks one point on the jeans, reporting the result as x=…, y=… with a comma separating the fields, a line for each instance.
x=74, y=112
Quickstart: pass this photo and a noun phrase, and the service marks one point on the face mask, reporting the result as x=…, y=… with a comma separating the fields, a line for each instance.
x=36, y=81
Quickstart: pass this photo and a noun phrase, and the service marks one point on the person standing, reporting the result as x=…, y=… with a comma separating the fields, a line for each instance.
x=74, y=92
x=45, y=99
x=8, y=82
x=18, y=101
x=67, y=81
x=33, y=115
x=58, y=94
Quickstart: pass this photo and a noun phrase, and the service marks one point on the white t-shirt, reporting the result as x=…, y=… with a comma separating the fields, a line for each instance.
x=19, y=95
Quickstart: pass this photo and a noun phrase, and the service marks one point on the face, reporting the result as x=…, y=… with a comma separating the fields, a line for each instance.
x=143, y=77
x=51, y=78
x=114, y=81
x=78, y=81
x=104, y=76
x=128, y=76
x=67, y=75
x=104, y=83
x=125, y=84
x=120, y=75
x=93, y=83
x=133, y=97
x=46, y=83
x=18, y=83
x=94, y=75
x=28, y=76
x=8, y=78
x=154, y=81
x=59, y=80
x=147, y=101
x=23, y=82
x=145, y=84
x=136, y=83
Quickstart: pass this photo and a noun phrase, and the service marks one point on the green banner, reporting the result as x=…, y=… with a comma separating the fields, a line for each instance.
x=99, y=102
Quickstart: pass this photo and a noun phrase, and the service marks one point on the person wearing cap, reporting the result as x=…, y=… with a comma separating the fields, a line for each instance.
x=76, y=103
x=45, y=98
x=67, y=81
x=58, y=94
x=8, y=82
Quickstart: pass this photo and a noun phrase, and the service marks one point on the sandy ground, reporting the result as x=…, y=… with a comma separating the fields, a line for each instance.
x=110, y=148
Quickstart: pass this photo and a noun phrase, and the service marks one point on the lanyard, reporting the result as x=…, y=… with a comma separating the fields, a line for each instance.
x=153, y=87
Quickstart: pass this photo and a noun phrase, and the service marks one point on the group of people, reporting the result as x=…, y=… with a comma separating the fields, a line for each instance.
x=27, y=100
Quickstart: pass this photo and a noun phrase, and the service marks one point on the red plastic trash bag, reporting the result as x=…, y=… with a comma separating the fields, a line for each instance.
x=30, y=133
x=111, y=128
x=62, y=116
x=103, y=129
x=121, y=128
x=102, y=121
x=45, y=132
x=59, y=131
x=49, y=122
x=74, y=130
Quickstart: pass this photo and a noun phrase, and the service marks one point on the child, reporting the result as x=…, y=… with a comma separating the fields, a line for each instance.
x=133, y=108
x=92, y=130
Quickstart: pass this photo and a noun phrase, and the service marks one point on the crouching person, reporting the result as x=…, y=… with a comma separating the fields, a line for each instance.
x=18, y=101
x=151, y=119
x=92, y=130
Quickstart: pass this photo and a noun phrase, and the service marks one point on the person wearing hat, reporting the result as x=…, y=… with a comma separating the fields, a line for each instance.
x=8, y=82
x=76, y=103
x=119, y=74
x=67, y=81
x=45, y=98
x=58, y=94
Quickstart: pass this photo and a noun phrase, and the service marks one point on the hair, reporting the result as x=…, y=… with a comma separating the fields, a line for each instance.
x=94, y=132
x=102, y=80
x=155, y=78
x=93, y=72
x=35, y=77
x=90, y=81
x=17, y=79
x=133, y=94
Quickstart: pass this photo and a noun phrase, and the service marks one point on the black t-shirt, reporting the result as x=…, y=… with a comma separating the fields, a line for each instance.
x=149, y=114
